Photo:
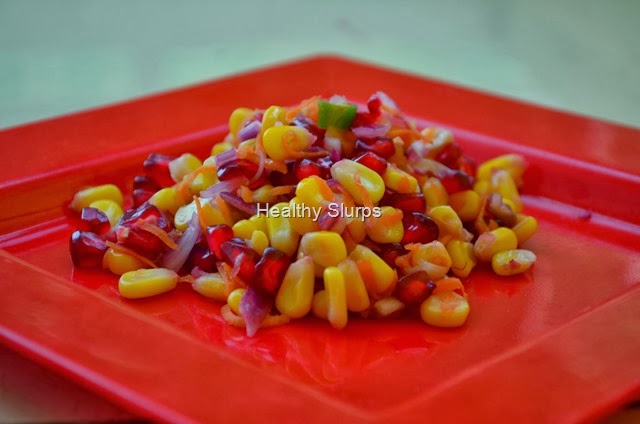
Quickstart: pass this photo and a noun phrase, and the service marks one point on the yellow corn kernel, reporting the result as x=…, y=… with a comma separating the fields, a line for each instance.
x=357, y=230
x=326, y=248
x=236, y=119
x=448, y=221
x=482, y=187
x=503, y=183
x=280, y=142
x=119, y=263
x=203, y=181
x=146, y=282
x=259, y=221
x=217, y=149
x=234, y=298
x=243, y=229
x=447, y=309
x=85, y=197
x=492, y=242
x=510, y=262
x=398, y=180
x=387, y=306
x=356, y=178
x=271, y=116
x=466, y=204
x=379, y=277
x=281, y=235
x=463, y=260
x=335, y=287
x=263, y=194
x=259, y=241
x=525, y=228
x=295, y=295
x=303, y=223
x=434, y=193
x=320, y=304
x=313, y=192
x=210, y=214
x=388, y=227
x=356, y=290
x=211, y=285
x=167, y=200
x=433, y=258
x=513, y=163
x=110, y=208
x=183, y=165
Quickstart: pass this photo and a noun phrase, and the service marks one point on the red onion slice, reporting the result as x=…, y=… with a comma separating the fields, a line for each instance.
x=174, y=259
x=229, y=186
x=371, y=131
x=250, y=131
x=254, y=308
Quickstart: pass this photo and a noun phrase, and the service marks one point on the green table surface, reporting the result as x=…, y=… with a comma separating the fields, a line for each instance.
x=58, y=57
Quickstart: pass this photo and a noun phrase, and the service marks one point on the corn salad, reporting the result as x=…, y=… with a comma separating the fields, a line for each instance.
x=326, y=208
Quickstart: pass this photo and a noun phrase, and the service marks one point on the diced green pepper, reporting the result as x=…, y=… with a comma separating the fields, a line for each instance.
x=335, y=115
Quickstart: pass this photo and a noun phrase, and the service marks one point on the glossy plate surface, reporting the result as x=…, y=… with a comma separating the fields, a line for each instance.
x=560, y=343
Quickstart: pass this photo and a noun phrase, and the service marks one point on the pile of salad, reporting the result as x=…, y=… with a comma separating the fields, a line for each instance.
x=327, y=208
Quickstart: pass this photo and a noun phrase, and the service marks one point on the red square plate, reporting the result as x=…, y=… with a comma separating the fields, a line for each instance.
x=560, y=343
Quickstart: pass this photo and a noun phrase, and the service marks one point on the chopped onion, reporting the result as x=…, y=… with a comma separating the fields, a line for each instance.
x=250, y=131
x=226, y=157
x=371, y=131
x=174, y=259
x=254, y=308
x=229, y=186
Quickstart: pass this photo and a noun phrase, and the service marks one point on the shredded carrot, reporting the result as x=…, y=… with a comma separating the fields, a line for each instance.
x=285, y=189
x=200, y=213
x=480, y=225
x=224, y=209
x=347, y=199
x=186, y=279
x=185, y=185
x=366, y=272
x=391, y=219
x=276, y=165
x=404, y=261
x=246, y=194
x=366, y=199
x=293, y=112
x=404, y=132
x=450, y=284
x=158, y=232
x=127, y=251
x=230, y=283
x=237, y=321
x=290, y=137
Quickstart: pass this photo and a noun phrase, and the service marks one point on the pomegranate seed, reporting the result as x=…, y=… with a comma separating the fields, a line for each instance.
x=239, y=168
x=94, y=221
x=306, y=168
x=410, y=202
x=363, y=119
x=419, y=228
x=216, y=235
x=372, y=161
x=156, y=166
x=414, y=288
x=390, y=252
x=450, y=155
x=381, y=146
x=237, y=253
x=87, y=249
x=202, y=258
x=140, y=196
x=239, y=204
x=374, y=104
x=271, y=270
x=143, y=182
x=455, y=181
x=130, y=235
x=468, y=165
x=278, y=178
x=325, y=164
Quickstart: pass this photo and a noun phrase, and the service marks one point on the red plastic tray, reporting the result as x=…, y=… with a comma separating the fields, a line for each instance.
x=558, y=344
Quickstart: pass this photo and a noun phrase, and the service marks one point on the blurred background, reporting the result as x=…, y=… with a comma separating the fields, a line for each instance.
x=58, y=57
x=62, y=56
